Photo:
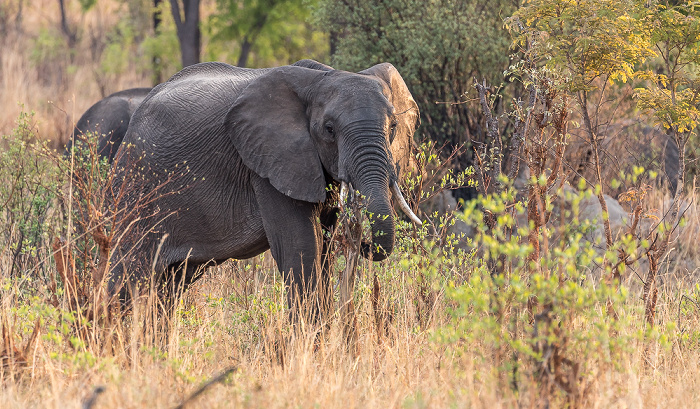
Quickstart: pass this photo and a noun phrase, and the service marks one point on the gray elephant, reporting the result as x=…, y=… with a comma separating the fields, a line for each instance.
x=109, y=118
x=224, y=162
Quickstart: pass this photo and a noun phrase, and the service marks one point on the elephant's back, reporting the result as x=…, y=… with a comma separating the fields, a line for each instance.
x=137, y=94
x=202, y=85
x=213, y=70
x=192, y=103
x=132, y=97
x=180, y=125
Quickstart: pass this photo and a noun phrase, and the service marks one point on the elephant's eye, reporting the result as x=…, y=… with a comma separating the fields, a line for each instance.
x=392, y=131
x=329, y=129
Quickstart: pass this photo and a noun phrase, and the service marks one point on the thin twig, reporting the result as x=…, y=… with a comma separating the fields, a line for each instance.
x=217, y=379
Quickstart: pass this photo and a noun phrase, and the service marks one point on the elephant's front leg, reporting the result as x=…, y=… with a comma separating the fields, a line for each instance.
x=294, y=234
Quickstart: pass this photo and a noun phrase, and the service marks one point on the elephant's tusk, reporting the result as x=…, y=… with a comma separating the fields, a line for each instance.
x=404, y=206
x=343, y=194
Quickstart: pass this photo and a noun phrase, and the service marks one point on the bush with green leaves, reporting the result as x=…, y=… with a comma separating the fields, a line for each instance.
x=548, y=328
x=439, y=47
x=29, y=187
x=51, y=200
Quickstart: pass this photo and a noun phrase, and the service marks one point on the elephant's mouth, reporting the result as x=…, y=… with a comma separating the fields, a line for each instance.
x=381, y=222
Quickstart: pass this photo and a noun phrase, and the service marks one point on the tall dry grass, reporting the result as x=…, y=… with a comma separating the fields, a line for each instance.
x=220, y=326
x=41, y=73
x=235, y=316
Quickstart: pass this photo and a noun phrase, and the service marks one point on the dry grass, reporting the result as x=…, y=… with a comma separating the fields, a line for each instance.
x=219, y=327
x=49, y=79
x=235, y=318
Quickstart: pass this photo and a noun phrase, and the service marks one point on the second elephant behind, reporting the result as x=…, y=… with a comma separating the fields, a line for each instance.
x=109, y=118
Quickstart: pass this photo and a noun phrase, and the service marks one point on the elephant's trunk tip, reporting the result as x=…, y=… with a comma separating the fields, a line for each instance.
x=375, y=254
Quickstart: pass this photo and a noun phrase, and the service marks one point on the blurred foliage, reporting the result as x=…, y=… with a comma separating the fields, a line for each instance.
x=48, y=46
x=264, y=32
x=439, y=47
x=50, y=55
x=29, y=185
x=119, y=43
x=162, y=48
x=87, y=4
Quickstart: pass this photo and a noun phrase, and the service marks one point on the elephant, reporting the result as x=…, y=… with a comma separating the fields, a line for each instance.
x=224, y=162
x=109, y=118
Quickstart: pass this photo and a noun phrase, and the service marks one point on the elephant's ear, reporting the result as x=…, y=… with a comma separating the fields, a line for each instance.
x=406, y=110
x=270, y=130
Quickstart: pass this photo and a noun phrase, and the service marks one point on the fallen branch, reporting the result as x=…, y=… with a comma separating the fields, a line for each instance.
x=217, y=379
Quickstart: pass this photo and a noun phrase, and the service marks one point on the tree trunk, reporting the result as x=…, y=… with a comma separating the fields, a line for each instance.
x=251, y=36
x=245, y=52
x=157, y=76
x=18, y=16
x=333, y=42
x=188, y=32
x=71, y=36
x=157, y=18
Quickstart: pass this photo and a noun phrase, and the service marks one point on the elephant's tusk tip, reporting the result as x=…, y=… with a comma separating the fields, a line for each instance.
x=343, y=194
x=404, y=206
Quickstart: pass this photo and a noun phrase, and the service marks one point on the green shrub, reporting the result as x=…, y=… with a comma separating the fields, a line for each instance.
x=551, y=326
x=29, y=186
x=439, y=47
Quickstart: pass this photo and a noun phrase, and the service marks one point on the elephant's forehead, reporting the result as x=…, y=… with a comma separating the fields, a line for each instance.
x=351, y=84
x=361, y=92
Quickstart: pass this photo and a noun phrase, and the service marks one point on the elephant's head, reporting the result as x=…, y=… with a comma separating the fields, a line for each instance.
x=296, y=126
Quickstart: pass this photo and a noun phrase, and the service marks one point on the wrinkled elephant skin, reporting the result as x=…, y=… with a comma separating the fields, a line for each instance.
x=224, y=162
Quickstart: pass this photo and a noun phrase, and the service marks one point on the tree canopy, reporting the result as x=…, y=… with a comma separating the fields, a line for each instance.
x=439, y=47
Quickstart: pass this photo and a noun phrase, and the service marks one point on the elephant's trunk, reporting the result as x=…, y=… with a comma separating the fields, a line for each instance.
x=382, y=225
x=371, y=178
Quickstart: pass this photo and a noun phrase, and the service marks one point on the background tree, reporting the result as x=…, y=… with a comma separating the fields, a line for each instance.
x=188, y=31
x=272, y=31
x=157, y=19
x=672, y=95
x=591, y=43
x=11, y=13
x=71, y=33
x=438, y=46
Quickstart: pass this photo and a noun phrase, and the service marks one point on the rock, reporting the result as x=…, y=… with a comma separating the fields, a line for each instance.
x=443, y=203
x=590, y=210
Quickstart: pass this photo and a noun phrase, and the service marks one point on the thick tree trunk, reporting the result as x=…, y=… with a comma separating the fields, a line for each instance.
x=157, y=77
x=188, y=32
x=245, y=52
x=71, y=35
